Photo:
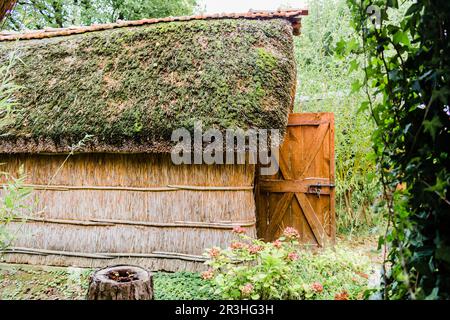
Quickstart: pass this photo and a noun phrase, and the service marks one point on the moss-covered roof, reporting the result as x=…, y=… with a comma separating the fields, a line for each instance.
x=130, y=87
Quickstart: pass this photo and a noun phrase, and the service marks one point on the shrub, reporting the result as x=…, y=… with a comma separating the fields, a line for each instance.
x=13, y=205
x=253, y=269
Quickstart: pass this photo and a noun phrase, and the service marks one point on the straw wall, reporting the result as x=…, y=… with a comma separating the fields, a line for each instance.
x=102, y=209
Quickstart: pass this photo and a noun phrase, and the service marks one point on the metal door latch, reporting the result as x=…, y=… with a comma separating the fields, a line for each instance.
x=317, y=188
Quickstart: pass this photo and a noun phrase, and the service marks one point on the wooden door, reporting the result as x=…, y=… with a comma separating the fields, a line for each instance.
x=301, y=194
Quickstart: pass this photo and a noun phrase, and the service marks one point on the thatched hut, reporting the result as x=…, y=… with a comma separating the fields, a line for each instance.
x=95, y=108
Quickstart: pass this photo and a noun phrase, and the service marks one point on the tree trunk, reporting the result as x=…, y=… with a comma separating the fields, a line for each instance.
x=121, y=282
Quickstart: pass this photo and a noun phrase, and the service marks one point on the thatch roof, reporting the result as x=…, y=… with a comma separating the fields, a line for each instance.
x=130, y=84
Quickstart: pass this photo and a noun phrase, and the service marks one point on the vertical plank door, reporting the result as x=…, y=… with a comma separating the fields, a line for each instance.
x=301, y=194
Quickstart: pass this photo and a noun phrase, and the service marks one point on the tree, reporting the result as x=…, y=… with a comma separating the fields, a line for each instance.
x=38, y=14
x=407, y=82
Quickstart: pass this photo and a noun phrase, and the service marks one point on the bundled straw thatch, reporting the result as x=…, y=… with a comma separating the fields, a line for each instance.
x=107, y=206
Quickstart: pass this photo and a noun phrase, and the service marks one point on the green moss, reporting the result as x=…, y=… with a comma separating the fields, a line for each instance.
x=266, y=60
x=140, y=83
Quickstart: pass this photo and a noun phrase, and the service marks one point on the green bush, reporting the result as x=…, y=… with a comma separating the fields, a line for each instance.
x=253, y=269
x=13, y=205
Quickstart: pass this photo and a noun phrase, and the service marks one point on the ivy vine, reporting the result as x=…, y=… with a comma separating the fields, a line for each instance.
x=407, y=84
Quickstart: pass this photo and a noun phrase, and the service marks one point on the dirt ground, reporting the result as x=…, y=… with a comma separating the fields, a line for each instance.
x=25, y=282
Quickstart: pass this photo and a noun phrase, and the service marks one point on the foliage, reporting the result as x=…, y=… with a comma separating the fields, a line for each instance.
x=13, y=196
x=324, y=83
x=181, y=286
x=253, y=269
x=38, y=14
x=14, y=204
x=407, y=82
x=25, y=282
x=339, y=271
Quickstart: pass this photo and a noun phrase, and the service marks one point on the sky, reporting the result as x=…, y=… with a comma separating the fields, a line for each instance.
x=221, y=6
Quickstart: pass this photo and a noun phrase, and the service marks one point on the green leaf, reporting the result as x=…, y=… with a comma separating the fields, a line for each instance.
x=364, y=106
x=356, y=86
x=401, y=37
x=354, y=65
x=392, y=3
x=9, y=203
x=432, y=126
x=415, y=7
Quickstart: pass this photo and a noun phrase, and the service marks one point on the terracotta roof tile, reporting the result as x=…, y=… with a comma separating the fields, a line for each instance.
x=292, y=15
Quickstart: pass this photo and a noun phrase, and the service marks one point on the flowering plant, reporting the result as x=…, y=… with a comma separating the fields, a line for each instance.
x=253, y=269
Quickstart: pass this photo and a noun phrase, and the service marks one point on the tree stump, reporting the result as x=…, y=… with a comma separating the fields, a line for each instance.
x=121, y=282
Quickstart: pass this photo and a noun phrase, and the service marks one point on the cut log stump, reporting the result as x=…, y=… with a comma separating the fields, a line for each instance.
x=121, y=282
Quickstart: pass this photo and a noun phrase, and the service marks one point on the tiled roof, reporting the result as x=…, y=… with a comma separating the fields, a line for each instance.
x=293, y=15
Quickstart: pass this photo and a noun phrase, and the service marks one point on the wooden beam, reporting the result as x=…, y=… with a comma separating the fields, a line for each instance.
x=278, y=186
x=278, y=214
x=313, y=221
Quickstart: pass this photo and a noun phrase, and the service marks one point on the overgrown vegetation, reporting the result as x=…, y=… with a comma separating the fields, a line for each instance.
x=325, y=85
x=14, y=200
x=253, y=269
x=131, y=88
x=407, y=68
x=14, y=205
x=20, y=282
x=341, y=273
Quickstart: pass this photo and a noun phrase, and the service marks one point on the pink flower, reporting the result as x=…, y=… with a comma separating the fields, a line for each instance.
x=341, y=296
x=214, y=252
x=277, y=244
x=292, y=256
x=237, y=245
x=247, y=289
x=208, y=275
x=317, y=287
x=291, y=233
x=238, y=230
x=254, y=249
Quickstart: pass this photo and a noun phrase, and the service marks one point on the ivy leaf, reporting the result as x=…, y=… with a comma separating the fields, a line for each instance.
x=352, y=45
x=415, y=7
x=443, y=253
x=356, y=86
x=401, y=37
x=432, y=126
x=439, y=187
x=392, y=3
x=364, y=106
x=434, y=295
x=354, y=65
